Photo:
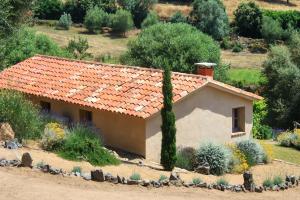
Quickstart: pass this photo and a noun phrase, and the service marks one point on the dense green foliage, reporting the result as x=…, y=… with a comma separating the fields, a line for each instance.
x=78, y=48
x=217, y=156
x=138, y=8
x=181, y=45
x=83, y=144
x=271, y=30
x=26, y=43
x=248, y=19
x=252, y=150
x=79, y=8
x=168, y=129
x=48, y=9
x=186, y=158
x=285, y=18
x=151, y=19
x=21, y=114
x=12, y=15
x=282, y=88
x=178, y=17
x=288, y=139
x=260, y=130
x=210, y=17
x=121, y=21
x=95, y=19
x=64, y=22
x=135, y=177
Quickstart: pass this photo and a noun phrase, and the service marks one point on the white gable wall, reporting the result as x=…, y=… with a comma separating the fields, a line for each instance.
x=205, y=115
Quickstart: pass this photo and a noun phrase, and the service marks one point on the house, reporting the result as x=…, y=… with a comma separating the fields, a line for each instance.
x=124, y=102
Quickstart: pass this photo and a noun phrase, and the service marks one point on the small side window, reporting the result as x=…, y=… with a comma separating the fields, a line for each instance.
x=238, y=119
x=85, y=116
x=45, y=106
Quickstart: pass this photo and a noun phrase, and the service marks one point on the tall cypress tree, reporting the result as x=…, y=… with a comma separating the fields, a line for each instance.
x=168, y=145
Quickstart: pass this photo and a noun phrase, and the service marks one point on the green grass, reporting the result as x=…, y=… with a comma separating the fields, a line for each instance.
x=247, y=76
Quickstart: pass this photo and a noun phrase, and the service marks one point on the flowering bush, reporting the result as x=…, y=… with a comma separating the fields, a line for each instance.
x=286, y=139
x=252, y=150
x=269, y=152
x=239, y=162
x=53, y=137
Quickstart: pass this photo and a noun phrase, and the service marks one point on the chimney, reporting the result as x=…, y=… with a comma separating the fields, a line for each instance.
x=205, y=69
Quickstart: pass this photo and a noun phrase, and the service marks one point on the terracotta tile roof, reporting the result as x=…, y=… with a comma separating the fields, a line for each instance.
x=129, y=90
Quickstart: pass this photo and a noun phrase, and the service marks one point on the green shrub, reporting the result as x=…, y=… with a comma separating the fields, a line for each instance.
x=107, y=58
x=248, y=19
x=21, y=114
x=121, y=21
x=76, y=169
x=210, y=17
x=222, y=182
x=138, y=8
x=179, y=45
x=237, y=47
x=95, y=19
x=277, y=180
x=217, y=156
x=83, y=144
x=178, y=17
x=268, y=183
x=271, y=30
x=151, y=19
x=260, y=130
x=286, y=139
x=135, y=177
x=48, y=9
x=186, y=158
x=226, y=43
x=252, y=150
x=64, y=22
x=53, y=137
x=162, y=178
x=79, y=48
x=286, y=18
x=196, y=181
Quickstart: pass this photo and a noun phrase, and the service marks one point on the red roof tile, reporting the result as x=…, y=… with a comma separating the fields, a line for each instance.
x=129, y=90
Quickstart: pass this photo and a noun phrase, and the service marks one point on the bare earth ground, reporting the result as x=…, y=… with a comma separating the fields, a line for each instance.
x=260, y=172
x=25, y=184
x=243, y=59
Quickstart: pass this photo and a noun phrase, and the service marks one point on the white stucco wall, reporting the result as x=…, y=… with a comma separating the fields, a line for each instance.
x=205, y=115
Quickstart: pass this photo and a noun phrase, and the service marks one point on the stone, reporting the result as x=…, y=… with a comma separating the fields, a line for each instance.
x=86, y=176
x=14, y=163
x=12, y=144
x=155, y=184
x=97, y=175
x=54, y=171
x=26, y=160
x=145, y=183
x=3, y=163
x=203, y=168
x=275, y=188
x=237, y=188
x=132, y=182
x=174, y=177
x=6, y=132
x=244, y=189
x=119, y=179
x=248, y=181
x=124, y=181
x=45, y=168
x=202, y=185
x=258, y=189
x=114, y=180
x=165, y=182
x=293, y=180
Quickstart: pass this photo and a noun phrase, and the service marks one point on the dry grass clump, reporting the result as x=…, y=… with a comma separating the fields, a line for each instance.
x=165, y=11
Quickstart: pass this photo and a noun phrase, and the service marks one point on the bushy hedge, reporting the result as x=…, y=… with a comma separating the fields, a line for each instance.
x=216, y=155
x=288, y=139
x=82, y=143
x=121, y=21
x=271, y=30
x=179, y=45
x=95, y=19
x=178, y=17
x=186, y=158
x=151, y=19
x=21, y=114
x=64, y=22
x=285, y=18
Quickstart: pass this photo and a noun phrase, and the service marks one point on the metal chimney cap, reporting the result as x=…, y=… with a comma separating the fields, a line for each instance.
x=206, y=64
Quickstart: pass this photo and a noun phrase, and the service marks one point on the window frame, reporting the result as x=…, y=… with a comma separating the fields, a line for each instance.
x=85, y=116
x=238, y=120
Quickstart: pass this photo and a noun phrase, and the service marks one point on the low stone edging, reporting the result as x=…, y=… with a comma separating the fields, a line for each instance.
x=174, y=180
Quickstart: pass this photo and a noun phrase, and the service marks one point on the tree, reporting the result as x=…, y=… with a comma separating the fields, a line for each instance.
x=178, y=17
x=151, y=19
x=248, y=19
x=168, y=129
x=271, y=30
x=210, y=17
x=48, y=9
x=13, y=14
x=282, y=87
x=181, y=45
x=64, y=22
x=79, y=48
x=121, y=21
x=138, y=8
x=95, y=19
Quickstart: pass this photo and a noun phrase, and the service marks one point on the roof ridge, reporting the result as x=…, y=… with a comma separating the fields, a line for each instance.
x=119, y=65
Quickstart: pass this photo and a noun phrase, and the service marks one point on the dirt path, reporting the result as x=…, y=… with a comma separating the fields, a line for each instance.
x=23, y=184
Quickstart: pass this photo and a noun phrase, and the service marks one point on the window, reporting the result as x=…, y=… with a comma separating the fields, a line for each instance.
x=85, y=116
x=45, y=106
x=238, y=120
